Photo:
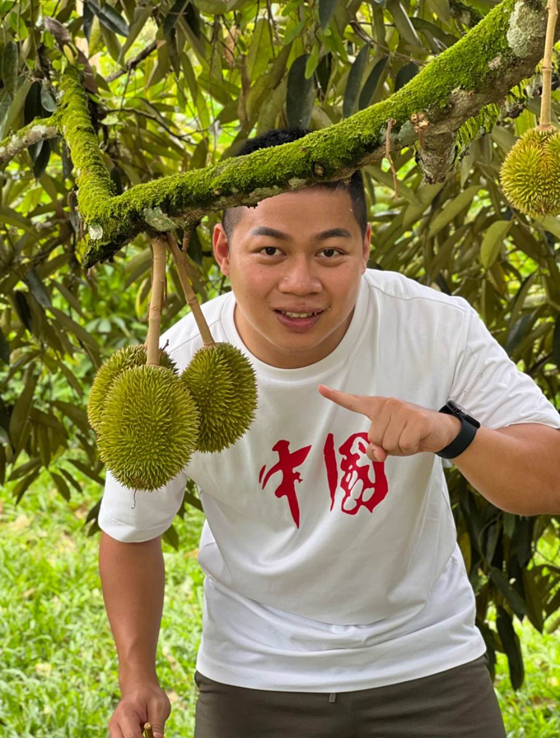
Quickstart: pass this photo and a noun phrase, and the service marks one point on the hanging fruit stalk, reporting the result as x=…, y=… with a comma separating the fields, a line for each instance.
x=219, y=377
x=530, y=174
x=190, y=296
x=546, y=106
x=159, y=253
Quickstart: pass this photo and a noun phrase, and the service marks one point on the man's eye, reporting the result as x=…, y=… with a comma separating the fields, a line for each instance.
x=273, y=248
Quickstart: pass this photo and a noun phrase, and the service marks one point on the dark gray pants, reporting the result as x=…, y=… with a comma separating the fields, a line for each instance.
x=457, y=703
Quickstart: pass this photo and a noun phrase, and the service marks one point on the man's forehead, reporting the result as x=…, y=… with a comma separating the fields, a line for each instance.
x=305, y=207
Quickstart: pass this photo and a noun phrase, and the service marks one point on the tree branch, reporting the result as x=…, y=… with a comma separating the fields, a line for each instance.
x=480, y=68
x=38, y=130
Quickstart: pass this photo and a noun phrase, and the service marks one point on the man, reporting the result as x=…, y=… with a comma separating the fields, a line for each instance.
x=336, y=598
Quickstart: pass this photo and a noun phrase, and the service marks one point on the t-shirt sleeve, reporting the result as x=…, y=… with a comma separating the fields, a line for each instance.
x=133, y=516
x=488, y=384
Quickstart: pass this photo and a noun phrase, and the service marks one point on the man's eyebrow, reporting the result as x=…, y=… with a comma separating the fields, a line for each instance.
x=333, y=233
x=273, y=233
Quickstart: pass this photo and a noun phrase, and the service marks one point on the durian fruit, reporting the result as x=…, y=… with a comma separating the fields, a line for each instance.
x=149, y=429
x=530, y=174
x=223, y=384
x=121, y=360
x=220, y=377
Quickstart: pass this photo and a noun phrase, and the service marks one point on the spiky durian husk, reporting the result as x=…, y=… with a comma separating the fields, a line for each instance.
x=149, y=429
x=224, y=386
x=530, y=174
x=122, y=359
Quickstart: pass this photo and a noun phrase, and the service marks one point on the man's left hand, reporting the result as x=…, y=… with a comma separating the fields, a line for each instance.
x=398, y=428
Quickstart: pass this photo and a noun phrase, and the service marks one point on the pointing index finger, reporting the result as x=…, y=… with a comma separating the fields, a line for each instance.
x=344, y=399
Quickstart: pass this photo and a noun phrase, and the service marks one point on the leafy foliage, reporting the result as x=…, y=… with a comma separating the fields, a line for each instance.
x=179, y=85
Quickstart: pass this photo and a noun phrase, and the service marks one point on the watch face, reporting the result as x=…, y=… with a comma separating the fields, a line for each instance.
x=462, y=411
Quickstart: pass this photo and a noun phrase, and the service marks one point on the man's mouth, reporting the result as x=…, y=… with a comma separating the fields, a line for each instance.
x=299, y=315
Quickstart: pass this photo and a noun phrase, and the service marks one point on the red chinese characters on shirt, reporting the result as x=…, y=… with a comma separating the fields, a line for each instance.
x=359, y=489
x=288, y=461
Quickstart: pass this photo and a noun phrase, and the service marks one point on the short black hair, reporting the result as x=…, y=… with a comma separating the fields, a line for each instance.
x=277, y=136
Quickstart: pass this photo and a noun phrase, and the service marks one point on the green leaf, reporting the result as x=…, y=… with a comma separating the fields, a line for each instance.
x=354, y=82
x=10, y=60
x=512, y=647
x=533, y=598
x=111, y=19
x=173, y=15
x=77, y=486
x=260, y=51
x=556, y=342
x=22, y=407
x=452, y=210
x=493, y=241
x=4, y=349
x=61, y=485
x=518, y=331
x=300, y=96
x=38, y=289
x=513, y=597
x=171, y=537
x=402, y=22
x=141, y=16
x=370, y=85
x=312, y=62
x=22, y=309
x=294, y=33
x=405, y=74
x=41, y=161
x=326, y=10
x=47, y=100
x=88, y=471
x=75, y=414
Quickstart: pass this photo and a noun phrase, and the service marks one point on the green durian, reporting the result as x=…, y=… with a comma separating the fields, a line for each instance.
x=122, y=359
x=530, y=174
x=223, y=384
x=149, y=428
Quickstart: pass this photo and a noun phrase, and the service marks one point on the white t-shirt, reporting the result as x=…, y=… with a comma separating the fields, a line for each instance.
x=325, y=571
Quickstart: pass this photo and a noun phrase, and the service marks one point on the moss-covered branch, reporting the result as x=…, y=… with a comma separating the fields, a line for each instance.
x=38, y=130
x=479, y=69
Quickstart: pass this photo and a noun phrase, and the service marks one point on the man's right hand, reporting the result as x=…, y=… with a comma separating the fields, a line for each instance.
x=140, y=704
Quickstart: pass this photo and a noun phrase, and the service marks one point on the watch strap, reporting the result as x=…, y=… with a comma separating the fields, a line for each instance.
x=464, y=438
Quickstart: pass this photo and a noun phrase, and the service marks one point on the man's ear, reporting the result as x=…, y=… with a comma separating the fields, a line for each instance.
x=221, y=248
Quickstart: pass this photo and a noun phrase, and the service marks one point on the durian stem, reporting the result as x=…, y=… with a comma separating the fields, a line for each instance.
x=545, y=123
x=190, y=296
x=159, y=252
x=148, y=730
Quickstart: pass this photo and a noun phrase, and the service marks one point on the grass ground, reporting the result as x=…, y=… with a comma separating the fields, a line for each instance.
x=58, y=673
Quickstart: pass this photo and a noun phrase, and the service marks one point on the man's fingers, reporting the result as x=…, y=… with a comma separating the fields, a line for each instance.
x=356, y=403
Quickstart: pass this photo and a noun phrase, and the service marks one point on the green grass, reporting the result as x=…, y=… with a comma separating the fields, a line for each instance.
x=58, y=673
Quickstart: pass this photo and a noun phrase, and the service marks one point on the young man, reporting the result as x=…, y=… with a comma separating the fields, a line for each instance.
x=336, y=597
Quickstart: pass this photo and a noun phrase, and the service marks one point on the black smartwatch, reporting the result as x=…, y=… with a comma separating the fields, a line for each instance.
x=469, y=426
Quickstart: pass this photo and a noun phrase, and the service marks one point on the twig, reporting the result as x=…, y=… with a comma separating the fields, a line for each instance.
x=190, y=296
x=388, y=155
x=181, y=136
x=133, y=62
x=148, y=730
x=158, y=284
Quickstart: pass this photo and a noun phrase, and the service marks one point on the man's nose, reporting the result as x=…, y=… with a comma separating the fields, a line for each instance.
x=300, y=277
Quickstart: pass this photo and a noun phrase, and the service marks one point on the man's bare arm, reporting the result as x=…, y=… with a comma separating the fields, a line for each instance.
x=517, y=468
x=133, y=584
